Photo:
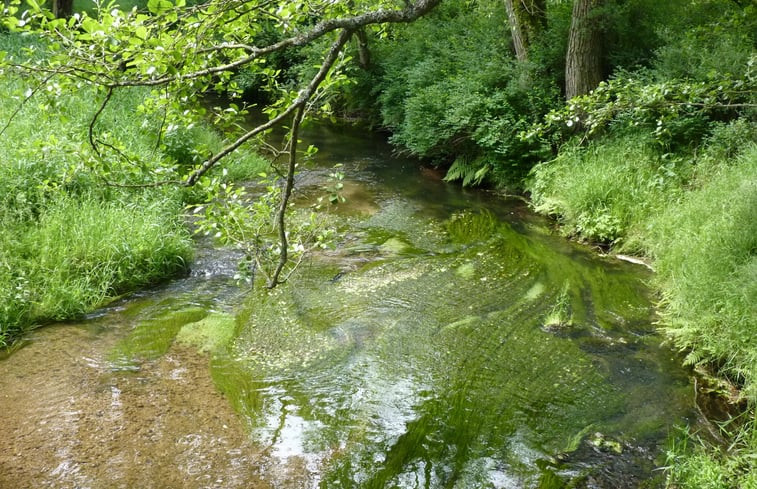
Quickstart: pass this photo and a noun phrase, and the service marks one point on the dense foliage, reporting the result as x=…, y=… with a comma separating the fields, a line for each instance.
x=657, y=160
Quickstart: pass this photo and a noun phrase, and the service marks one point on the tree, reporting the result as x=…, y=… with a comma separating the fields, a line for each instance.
x=583, y=62
x=183, y=52
x=63, y=9
x=527, y=20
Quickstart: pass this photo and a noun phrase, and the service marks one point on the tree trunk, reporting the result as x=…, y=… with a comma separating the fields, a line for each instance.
x=63, y=9
x=364, y=55
x=527, y=19
x=583, y=62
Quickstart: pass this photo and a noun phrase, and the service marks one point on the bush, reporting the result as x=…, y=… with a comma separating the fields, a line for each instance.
x=463, y=101
x=707, y=40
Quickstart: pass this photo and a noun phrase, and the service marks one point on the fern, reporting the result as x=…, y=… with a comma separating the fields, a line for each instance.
x=471, y=171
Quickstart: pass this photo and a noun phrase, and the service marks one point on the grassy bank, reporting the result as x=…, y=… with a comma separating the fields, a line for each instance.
x=693, y=214
x=71, y=242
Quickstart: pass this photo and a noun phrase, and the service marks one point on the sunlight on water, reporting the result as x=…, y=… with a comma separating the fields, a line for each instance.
x=449, y=340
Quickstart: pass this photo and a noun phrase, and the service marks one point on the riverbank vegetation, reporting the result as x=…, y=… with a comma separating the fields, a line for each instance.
x=71, y=240
x=632, y=122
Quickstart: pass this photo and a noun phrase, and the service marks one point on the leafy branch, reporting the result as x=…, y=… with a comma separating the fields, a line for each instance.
x=189, y=51
x=657, y=105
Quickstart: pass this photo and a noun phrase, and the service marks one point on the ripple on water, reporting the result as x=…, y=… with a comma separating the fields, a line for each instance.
x=404, y=358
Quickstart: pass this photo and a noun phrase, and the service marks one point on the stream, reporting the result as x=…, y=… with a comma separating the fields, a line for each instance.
x=448, y=340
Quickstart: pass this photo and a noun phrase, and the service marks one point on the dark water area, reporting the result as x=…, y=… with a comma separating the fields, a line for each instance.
x=448, y=340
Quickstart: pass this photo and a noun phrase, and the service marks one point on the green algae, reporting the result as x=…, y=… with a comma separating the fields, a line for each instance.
x=469, y=227
x=394, y=246
x=416, y=355
x=435, y=367
x=209, y=333
x=152, y=337
x=466, y=271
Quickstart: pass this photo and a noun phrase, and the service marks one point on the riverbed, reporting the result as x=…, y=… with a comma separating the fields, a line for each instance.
x=448, y=338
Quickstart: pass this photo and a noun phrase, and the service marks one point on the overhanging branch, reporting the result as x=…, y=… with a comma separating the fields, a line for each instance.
x=303, y=97
x=382, y=16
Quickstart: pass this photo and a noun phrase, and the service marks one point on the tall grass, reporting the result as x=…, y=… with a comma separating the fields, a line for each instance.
x=83, y=252
x=697, y=218
x=691, y=463
x=70, y=242
x=705, y=250
x=607, y=191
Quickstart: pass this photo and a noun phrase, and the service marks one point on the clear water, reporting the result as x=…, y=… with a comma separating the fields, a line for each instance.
x=449, y=340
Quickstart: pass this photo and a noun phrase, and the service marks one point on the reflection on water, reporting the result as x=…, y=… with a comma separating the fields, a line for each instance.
x=436, y=346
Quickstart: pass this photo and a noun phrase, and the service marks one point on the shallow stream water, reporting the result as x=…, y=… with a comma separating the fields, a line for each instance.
x=449, y=340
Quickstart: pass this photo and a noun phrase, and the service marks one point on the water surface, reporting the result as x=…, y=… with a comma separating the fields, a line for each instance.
x=448, y=340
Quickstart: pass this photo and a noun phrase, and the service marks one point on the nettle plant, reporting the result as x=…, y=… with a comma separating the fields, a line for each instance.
x=181, y=53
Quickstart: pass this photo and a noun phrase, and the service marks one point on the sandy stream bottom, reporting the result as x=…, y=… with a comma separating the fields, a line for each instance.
x=70, y=421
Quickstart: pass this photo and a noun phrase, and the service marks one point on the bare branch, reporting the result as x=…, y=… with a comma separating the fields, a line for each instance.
x=285, y=194
x=91, y=130
x=23, y=102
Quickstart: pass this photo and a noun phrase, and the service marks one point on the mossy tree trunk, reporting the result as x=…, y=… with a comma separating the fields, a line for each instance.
x=583, y=62
x=527, y=19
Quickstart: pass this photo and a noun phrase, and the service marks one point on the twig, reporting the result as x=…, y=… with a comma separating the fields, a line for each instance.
x=23, y=102
x=91, y=131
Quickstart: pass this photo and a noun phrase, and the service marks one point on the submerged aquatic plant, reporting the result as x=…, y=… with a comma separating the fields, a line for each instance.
x=561, y=314
x=469, y=227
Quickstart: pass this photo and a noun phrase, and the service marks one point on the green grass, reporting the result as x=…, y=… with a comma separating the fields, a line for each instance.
x=83, y=252
x=692, y=463
x=607, y=191
x=71, y=243
x=705, y=251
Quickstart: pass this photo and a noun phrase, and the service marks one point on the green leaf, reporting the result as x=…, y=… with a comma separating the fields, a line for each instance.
x=141, y=32
x=158, y=6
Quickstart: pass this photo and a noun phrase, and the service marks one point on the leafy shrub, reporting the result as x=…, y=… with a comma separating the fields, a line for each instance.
x=706, y=41
x=677, y=113
x=463, y=100
x=190, y=145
